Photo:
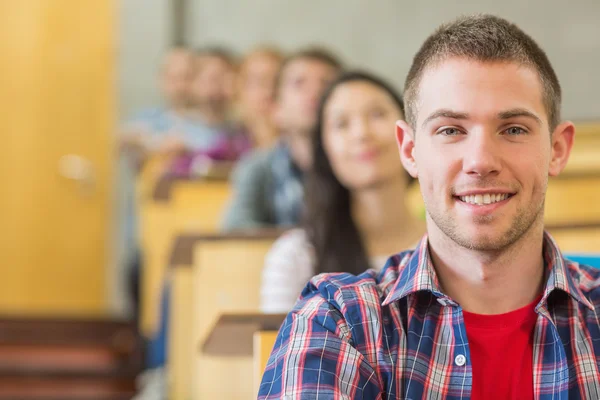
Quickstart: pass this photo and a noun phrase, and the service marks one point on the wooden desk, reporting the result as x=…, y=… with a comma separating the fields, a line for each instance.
x=176, y=206
x=210, y=274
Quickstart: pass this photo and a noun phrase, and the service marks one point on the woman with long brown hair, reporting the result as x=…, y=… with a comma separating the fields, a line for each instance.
x=355, y=193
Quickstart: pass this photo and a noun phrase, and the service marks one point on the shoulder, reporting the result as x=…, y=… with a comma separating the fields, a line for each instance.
x=288, y=266
x=252, y=166
x=588, y=280
x=293, y=250
x=255, y=160
x=292, y=243
x=355, y=297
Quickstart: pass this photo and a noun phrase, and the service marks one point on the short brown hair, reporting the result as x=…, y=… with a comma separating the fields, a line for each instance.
x=312, y=53
x=484, y=38
x=222, y=53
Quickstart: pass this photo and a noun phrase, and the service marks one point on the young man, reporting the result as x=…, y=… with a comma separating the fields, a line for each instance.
x=207, y=123
x=174, y=80
x=485, y=307
x=268, y=185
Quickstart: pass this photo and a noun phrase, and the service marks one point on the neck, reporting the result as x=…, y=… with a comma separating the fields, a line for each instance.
x=262, y=130
x=386, y=224
x=490, y=282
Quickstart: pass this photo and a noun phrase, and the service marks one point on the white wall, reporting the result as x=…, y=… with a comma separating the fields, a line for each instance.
x=383, y=35
x=144, y=35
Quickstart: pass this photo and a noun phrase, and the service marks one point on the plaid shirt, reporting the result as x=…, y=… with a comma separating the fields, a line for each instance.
x=398, y=336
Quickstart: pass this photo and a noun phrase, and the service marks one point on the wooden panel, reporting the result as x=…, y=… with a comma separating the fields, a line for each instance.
x=573, y=200
x=182, y=312
x=155, y=222
x=264, y=341
x=227, y=277
x=58, y=102
x=199, y=206
x=193, y=206
x=181, y=344
x=577, y=240
x=585, y=156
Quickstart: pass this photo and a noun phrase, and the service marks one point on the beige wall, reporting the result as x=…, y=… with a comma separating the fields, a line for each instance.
x=382, y=35
x=144, y=35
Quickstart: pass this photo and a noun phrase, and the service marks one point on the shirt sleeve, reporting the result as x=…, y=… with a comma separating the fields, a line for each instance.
x=247, y=206
x=289, y=265
x=314, y=358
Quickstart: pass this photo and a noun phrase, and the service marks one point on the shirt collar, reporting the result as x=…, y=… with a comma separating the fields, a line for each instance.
x=416, y=273
x=558, y=275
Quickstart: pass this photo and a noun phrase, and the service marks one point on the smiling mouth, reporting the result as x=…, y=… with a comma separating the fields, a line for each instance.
x=484, y=199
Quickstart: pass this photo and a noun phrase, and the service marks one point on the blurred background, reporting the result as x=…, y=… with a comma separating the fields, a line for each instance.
x=125, y=120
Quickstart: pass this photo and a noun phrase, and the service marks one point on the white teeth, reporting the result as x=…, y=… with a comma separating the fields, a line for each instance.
x=481, y=199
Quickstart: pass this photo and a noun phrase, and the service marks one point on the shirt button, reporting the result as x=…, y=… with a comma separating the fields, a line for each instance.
x=460, y=360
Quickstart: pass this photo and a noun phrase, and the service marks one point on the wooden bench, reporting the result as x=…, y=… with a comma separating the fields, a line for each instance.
x=585, y=155
x=209, y=275
x=176, y=206
x=264, y=341
x=574, y=239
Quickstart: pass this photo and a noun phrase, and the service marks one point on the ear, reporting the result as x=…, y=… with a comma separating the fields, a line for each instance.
x=562, y=142
x=406, y=146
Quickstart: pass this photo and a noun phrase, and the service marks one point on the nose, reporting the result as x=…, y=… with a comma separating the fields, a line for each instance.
x=482, y=155
x=359, y=129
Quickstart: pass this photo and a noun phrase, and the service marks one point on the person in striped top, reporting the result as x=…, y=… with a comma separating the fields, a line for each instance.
x=486, y=306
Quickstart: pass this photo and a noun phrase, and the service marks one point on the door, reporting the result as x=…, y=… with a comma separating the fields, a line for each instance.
x=57, y=101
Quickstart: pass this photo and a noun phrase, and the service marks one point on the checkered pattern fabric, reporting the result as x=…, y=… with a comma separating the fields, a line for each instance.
x=396, y=335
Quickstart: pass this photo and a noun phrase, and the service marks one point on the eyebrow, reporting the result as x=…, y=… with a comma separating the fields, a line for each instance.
x=512, y=113
x=445, y=113
x=519, y=112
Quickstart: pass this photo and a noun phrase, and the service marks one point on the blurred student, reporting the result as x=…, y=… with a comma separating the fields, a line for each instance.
x=355, y=213
x=268, y=184
x=256, y=95
x=143, y=131
x=211, y=136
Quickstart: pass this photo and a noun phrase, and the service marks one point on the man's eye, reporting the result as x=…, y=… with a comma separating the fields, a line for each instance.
x=449, y=132
x=514, y=131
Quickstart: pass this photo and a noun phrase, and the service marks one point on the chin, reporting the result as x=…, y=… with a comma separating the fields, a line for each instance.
x=488, y=239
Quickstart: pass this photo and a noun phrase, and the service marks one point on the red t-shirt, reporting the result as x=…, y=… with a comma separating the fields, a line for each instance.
x=502, y=353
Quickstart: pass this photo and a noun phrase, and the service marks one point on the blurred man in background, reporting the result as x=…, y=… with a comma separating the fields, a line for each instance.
x=256, y=84
x=142, y=132
x=268, y=185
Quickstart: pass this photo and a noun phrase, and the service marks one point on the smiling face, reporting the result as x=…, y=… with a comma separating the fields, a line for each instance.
x=358, y=135
x=482, y=151
x=212, y=84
